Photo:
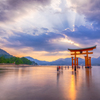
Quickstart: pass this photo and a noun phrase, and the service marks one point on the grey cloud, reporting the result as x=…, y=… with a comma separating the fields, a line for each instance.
x=10, y=9
x=46, y=29
x=83, y=32
x=40, y=42
x=89, y=8
x=43, y=42
x=21, y=4
x=55, y=54
x=83, y=35
x=2, y=32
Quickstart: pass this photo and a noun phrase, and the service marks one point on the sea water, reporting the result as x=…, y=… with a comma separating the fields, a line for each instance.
x=45, y=83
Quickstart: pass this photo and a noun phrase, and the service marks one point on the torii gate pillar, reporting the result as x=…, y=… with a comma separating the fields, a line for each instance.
x=74, y=61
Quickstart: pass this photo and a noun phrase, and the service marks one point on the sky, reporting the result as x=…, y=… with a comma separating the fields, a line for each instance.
x=45, y=29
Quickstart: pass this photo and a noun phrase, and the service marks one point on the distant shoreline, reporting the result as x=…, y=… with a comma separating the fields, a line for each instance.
x=14, y=65
x=26, y=65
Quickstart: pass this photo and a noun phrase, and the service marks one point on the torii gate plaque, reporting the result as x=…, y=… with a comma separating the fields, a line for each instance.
x=79, y=52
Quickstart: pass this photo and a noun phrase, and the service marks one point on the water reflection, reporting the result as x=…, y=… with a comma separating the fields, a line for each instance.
x=44, y=83
x=73, y=85
x=88, y=76
x=72, y=91
x=59, y=73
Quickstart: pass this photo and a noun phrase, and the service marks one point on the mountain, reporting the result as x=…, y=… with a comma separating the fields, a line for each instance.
x=66, y=61
x=7, y=55
x=39, y=62
x=61, y=61
x=95, y=61
x=4, y=53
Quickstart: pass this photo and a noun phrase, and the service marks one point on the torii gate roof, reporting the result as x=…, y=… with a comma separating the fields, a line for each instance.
x=83, y=49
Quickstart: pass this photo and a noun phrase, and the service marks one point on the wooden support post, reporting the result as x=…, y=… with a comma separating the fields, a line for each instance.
x=85, y=61
x=87, y=58
x=89, y=61
x=77, y=62
x=72, y=61
x=75, y=58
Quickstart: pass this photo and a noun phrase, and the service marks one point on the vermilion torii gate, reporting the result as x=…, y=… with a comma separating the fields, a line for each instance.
x=79, y=52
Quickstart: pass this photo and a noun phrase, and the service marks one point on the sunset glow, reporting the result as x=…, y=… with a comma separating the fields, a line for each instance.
x=44, y=28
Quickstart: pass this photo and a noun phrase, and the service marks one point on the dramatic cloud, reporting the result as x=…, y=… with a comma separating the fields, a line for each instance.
x=49, y=26
x=38, y=42
x=44, y=42
x=12, y=9
x=83, y=32
x=89, y=8
x=84, y=35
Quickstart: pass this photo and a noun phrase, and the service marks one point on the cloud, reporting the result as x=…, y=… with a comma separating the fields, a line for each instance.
x=48, y=41
x=89, y=8
x=51, y=41
x=40, y=42
x=12, y=9
x=83, y=35
x=61, y=53
x=46, y=29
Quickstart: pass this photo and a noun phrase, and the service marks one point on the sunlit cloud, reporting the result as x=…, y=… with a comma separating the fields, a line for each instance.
x=47, y=28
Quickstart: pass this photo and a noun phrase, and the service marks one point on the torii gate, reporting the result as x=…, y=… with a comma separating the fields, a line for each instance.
x=79, y=52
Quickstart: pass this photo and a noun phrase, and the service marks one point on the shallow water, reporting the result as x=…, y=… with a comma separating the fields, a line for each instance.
x=44, y=83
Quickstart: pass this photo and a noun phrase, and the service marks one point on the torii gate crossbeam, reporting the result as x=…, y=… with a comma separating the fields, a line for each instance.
x=80, y=52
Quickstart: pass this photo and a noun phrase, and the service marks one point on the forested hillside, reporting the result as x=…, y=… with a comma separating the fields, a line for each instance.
x=16, y=60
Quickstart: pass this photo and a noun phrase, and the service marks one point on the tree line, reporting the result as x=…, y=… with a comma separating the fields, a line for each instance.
x=16, y=60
